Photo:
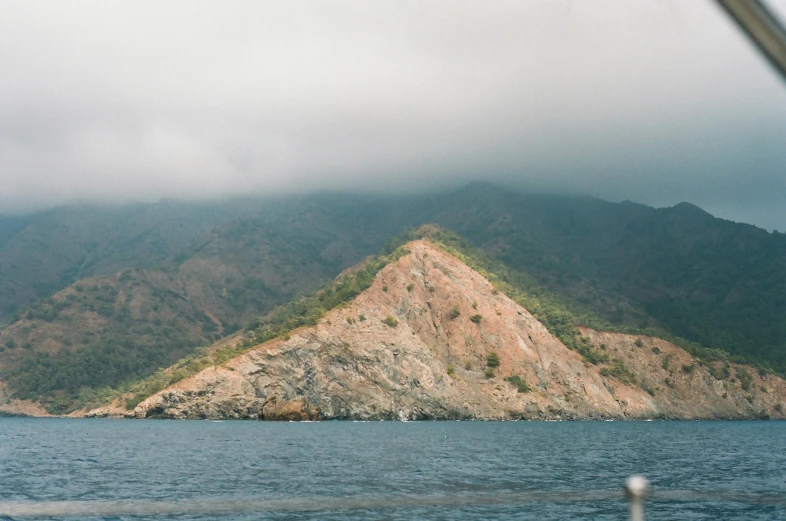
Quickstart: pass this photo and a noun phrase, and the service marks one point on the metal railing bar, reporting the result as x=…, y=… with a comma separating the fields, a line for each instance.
x=762, y=27
x=23, y=509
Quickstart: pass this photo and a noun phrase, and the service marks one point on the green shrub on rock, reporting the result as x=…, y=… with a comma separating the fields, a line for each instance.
x=492, y=359
x=390, y=321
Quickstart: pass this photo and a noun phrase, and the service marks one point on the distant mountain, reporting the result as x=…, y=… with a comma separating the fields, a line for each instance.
x=177, y=276
x=45, y=252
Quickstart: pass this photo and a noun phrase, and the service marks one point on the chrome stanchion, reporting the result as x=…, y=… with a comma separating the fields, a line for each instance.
x=636, y=490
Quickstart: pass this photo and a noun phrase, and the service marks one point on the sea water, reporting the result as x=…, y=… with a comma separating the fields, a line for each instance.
x=388, y=470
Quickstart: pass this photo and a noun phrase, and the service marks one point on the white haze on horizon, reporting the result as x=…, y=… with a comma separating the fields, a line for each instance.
x=653, y=101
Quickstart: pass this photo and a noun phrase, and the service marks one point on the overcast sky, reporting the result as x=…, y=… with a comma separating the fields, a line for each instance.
x=656, y=101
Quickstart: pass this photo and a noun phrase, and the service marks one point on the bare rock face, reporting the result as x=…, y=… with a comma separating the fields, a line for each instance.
x=415, y=346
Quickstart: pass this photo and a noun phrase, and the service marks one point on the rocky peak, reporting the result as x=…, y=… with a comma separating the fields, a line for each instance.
x=432, y=339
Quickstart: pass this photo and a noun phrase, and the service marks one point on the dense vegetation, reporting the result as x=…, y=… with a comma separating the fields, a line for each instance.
x=45, y=252
x=99, y=333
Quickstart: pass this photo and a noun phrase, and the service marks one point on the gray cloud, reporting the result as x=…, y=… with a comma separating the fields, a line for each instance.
x=655, y=101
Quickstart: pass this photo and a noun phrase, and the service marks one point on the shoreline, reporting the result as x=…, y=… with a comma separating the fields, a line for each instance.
x=437, y=420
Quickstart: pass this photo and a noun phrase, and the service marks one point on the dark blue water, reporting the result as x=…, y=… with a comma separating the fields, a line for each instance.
x=207, y=464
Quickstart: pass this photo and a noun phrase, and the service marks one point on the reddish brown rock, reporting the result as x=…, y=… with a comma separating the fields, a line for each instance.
x=431, y=364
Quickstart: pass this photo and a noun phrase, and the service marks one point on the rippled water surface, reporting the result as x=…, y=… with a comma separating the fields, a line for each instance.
x=430, y=470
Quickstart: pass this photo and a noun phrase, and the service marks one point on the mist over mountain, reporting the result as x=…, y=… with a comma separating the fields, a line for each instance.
x=659, y=102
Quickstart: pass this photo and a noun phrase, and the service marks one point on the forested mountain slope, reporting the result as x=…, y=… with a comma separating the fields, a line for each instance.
x=45, y=252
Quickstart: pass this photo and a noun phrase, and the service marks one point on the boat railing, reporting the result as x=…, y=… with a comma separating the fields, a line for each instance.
x=636, y=490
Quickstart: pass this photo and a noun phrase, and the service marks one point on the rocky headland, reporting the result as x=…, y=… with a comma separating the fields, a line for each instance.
x=432, y=339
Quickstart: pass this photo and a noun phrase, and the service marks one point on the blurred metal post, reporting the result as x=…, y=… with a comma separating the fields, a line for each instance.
x=762, y=27
x=636, y=490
